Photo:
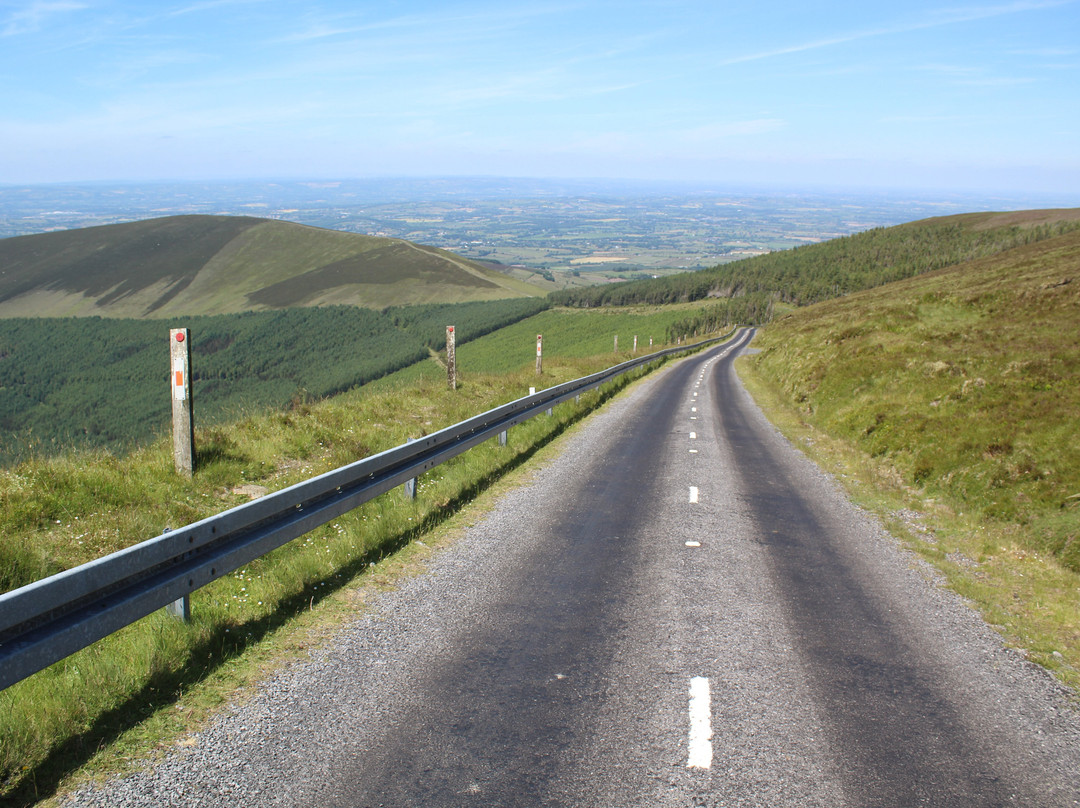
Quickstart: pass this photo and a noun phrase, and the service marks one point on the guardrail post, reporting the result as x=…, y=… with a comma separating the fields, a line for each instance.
x=451, y=358
x=502, y=438
x=182, y=418
x=410, y=485
x=180, y=609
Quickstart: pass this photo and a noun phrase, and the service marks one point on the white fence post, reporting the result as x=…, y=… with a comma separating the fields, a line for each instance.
x=451, y=358
x=182, y=417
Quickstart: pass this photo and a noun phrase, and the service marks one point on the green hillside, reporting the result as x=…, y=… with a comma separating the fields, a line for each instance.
x=949, y=403
x=817, y=272
x=965, y=379
x=196, y=265
x=100, y=382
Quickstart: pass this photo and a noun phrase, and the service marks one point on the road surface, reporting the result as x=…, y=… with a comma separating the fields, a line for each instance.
x=680, y=610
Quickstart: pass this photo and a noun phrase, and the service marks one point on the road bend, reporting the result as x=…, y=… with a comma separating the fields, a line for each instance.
x=679, y=610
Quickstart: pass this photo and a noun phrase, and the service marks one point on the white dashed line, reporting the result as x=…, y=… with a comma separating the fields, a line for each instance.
x=693, y=495
x=700, y=756
x=693, y=436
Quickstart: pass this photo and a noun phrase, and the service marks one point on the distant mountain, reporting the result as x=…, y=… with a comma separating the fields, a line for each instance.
x=187, y=265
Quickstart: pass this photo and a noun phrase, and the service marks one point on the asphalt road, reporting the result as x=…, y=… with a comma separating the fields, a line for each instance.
x=681, y=611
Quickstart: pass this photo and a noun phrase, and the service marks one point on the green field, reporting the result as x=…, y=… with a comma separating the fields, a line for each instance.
x=569, y=334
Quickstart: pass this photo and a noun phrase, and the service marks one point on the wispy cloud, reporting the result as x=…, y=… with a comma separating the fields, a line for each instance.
x=320, y=27
x=207, y=5
x=731, y=129
x=1046, y=53
x=35, y=15
x=966, y=76
x=943, y=17
x=927, y=119
x=996, y=81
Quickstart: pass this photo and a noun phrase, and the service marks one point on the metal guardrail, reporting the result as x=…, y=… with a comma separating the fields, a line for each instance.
x=45, y=621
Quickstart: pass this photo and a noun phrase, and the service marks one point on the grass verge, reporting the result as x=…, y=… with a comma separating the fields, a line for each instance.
x=947, y=404
x=1029, y=598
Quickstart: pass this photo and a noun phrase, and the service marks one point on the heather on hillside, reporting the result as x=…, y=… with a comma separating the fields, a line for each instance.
x=963, y=381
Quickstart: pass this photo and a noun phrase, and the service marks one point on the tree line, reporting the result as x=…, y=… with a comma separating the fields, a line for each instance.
x=90, y=382
x=816, y=272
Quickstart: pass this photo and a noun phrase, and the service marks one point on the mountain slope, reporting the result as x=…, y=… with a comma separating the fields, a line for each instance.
x=180, y=265
x=817, y=272
x=963, y=381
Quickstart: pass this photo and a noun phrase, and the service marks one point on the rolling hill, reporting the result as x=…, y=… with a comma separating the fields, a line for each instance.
x=198, y=265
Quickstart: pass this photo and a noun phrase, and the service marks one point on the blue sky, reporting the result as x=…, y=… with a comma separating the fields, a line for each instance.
x=954, y=94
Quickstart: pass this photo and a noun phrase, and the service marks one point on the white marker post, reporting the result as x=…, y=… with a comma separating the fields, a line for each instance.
x=539, y=354
x=182, y=416
x=451, y=358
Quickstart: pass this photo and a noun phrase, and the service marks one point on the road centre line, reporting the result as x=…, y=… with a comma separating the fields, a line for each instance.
x=700, y=745
x=693, y=436
x=693, y=495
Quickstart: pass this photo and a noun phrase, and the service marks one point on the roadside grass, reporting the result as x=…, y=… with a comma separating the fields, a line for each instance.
x=134, y=691
x=948, y=404
x=575, y=333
